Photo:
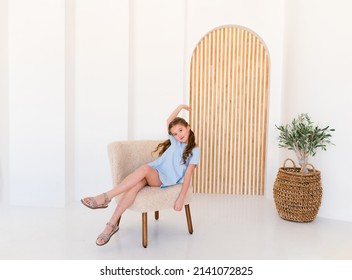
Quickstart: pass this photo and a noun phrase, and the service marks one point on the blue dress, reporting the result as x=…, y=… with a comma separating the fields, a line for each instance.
x=170, y=165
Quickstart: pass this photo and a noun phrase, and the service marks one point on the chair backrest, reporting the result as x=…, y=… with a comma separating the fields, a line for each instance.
x=126, y=156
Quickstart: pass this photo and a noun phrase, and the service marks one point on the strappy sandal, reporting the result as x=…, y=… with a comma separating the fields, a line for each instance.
x=106, y=237
x=92, y=204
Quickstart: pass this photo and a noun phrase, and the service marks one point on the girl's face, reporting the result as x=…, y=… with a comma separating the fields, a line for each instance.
x=180, y=132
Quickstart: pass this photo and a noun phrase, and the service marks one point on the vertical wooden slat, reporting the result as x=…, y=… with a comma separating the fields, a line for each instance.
x=251, y=118
x=202, y=108
x=242, y=120
x=255, y=114
x=201, y=89
x=237, y=109
x=228, y=174
x=215, y=136
x=229, y=94
x=232, y=109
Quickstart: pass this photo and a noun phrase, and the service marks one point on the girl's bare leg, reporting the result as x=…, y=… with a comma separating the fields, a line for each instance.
x=144, y=172
x=126, y=200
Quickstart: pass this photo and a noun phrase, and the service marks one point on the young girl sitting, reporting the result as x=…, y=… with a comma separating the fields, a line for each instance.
x=178, y=157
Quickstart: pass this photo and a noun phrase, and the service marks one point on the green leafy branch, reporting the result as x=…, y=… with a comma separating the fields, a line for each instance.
x=304, y=138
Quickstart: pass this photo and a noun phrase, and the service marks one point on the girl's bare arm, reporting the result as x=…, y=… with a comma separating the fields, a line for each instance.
x=185, y=185
x=175, y=113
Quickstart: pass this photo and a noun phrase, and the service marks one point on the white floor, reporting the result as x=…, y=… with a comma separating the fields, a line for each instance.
x=225, y=227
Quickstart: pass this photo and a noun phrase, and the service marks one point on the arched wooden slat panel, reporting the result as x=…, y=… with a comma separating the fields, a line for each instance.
x=229, y=79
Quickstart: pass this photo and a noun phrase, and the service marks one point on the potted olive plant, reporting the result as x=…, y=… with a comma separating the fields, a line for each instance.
x=297, y=190
x=304, y=138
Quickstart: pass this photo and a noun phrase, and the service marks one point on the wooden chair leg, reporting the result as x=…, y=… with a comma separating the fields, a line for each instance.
x=144, y=230
x=189, y=219
x=156, y=214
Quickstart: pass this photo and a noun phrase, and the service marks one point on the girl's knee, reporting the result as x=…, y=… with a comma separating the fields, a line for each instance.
x=145, y=168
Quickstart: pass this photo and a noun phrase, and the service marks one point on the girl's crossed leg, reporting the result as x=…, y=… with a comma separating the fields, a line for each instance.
x=130, y=186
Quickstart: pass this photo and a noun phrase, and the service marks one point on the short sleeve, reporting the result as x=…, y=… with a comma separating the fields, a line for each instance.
x=195, y=156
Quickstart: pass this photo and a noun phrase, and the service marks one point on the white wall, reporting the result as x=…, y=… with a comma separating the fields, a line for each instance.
x=115, y=69
x=317, y=80
x=157, y=59
x=36, y=48
x=100, y=89
x=4, y=104
x=67, y=97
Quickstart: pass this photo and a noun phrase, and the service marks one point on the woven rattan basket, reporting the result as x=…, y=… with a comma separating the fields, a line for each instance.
x=297, y=196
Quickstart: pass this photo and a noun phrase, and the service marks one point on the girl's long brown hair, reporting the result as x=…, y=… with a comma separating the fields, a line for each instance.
x=163, y=146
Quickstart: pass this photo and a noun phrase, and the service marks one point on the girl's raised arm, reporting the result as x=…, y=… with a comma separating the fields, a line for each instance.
x=175, y=113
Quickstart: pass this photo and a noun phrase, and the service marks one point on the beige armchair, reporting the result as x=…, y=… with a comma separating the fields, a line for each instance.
x=125, y=157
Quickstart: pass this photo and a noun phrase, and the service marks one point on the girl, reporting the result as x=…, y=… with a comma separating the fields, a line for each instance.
x=178, y=157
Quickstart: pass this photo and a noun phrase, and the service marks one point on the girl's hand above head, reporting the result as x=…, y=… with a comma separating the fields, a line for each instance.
x=183, y=107
x=186, y=107
x=176, y=112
